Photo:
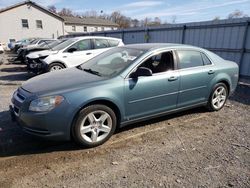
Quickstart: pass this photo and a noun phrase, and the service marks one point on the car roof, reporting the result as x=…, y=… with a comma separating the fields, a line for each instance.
x=154, y=46
x=95, y=37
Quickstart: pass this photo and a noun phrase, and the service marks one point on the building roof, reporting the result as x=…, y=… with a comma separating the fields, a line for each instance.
x=88, y=21
x=31, y=3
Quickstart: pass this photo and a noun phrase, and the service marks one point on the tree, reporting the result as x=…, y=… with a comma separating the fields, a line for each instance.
x=90, y=14
x=145, y=22
x=174, y=19
x=121, y=20
x=66, y=12
x=216, y=18
x=135, y=23
x=52, y=8
x=237, y=14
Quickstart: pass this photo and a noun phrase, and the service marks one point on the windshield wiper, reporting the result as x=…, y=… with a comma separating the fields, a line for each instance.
x=92, y=72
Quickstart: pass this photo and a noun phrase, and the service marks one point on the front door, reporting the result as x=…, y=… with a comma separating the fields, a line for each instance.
x=149, y=95
x=82, y=51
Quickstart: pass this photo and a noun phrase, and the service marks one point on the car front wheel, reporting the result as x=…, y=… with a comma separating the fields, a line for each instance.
x=218, y=97
x=94, y=125
x=55, y=67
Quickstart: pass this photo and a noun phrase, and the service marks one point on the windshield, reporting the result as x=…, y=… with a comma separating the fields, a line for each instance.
x=64, y=44
x=50, y=44
x=34, y=41
x=111, y=62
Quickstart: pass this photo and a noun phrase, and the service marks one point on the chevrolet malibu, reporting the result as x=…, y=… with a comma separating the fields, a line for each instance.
x=121, y=86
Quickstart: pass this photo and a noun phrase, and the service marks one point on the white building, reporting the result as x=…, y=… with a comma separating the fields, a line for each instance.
x=28, y=19
x=79, y=25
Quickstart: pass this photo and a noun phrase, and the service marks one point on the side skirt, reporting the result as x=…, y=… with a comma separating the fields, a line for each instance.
x=161, y=114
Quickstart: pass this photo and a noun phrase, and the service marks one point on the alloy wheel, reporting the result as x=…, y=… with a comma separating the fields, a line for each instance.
x=219, y=97
x=96, y=126
x=55, y=68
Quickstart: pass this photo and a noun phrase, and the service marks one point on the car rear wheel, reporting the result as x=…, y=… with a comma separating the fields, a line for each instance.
x=94, y=125
x=55, y=67
x=218, y=97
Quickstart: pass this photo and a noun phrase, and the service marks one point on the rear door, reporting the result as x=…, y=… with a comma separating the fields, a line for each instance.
x=194, y=78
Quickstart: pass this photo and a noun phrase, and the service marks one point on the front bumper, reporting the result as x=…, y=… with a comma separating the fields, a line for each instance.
x=50, y=125
x=36, y=66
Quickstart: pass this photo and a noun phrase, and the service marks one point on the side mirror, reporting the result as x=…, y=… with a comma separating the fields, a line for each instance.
x=141, y=71
x=71, y=50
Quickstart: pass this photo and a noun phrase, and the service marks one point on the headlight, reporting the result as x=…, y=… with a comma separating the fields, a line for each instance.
x=45, y=103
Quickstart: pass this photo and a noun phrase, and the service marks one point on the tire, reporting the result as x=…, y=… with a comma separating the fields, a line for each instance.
x=94, y=130
x=218, y=97
x=55, y=67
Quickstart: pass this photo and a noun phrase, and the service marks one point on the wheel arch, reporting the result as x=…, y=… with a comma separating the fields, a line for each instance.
x=105, y=102
x=226, y=82
x=60, y=62
x=221, y=78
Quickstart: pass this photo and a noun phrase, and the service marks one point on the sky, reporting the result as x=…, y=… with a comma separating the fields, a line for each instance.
x=183, y=10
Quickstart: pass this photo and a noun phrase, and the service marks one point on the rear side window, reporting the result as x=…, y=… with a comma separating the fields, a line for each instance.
x=205, y=59
x=101, y=43
x=188, y=58
x=113, y=43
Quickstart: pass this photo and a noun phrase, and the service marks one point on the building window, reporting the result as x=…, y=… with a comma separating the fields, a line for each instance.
x=96, y=28
x=73, y=28
x=85, y=28
x=25, y=23
x=39, y=24
x=102, y=28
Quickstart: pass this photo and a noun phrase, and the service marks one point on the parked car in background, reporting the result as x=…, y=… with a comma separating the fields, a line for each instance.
x=46, y=45
x=121, y=86
x=21, y=43
x=77, y=50
x=1, y=48
x=37, y=42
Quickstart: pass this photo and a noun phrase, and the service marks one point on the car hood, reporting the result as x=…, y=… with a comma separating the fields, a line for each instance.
x=67, y=79
x=41, y=53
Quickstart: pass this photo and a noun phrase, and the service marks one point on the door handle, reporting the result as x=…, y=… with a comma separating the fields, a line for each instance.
x=88, y=53
x=211, y=72
x=172, y=78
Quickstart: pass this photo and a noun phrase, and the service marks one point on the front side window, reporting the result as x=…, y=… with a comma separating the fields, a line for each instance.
x=82, y=45
x=101, y=43
x=189, y=58
x=159, y=63
x=25, y=23
x=39, y=24
x=64, y=44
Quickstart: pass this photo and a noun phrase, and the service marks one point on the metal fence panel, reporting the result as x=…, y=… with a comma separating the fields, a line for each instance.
x=228, y=38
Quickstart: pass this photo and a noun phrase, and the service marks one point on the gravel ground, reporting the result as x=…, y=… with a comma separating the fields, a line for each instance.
x=195, y=148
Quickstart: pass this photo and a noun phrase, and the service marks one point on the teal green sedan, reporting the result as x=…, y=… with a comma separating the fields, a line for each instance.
x=121, y=86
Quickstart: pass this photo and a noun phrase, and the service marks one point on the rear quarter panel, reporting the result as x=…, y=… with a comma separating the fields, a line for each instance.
x=225, y=70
